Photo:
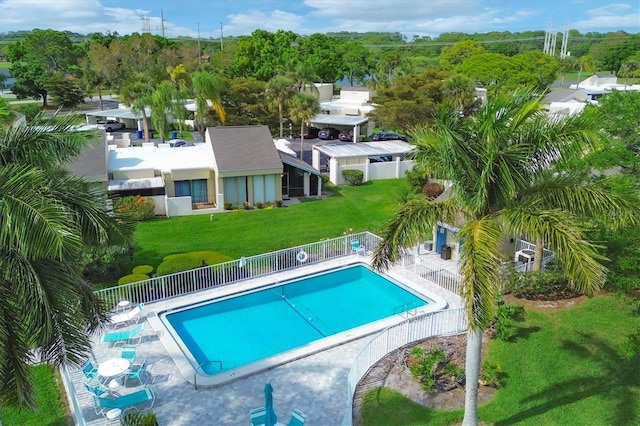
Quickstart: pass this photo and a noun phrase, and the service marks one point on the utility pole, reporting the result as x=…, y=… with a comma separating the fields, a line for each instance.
x=221, y=45
x=162, y=22
x=199, y=51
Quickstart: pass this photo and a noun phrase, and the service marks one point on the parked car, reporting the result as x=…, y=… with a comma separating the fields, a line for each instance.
x=328, y=133
x=346, y=136
x=177, y=143
x=389, y=136
x=110, y=125
x=311, y=132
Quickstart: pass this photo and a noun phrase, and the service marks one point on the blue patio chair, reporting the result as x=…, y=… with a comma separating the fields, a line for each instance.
x=120, y=337
x=96, y=389
x=258, y=416
x=138, y=371
x=128, y=352
x=89, y=370
x=357, y=248
x=297, y=418
x=125, y=402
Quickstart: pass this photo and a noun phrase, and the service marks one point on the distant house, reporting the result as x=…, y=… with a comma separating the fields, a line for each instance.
x=347, y=112
x=235, y=164
x=596, y=86
x=565, y=101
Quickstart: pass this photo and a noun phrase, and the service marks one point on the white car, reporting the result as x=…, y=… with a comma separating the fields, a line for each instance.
x=110, y=125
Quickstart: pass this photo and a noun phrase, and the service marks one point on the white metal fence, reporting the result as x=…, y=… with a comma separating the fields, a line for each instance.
x=167, y=286
x=441, y=323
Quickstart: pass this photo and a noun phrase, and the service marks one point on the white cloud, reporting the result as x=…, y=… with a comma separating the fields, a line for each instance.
x=246, y=23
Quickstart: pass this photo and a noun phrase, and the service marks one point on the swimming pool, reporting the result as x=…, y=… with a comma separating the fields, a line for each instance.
x=233, y=336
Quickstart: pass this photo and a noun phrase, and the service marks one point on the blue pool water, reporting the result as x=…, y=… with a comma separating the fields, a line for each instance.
x=250, y=327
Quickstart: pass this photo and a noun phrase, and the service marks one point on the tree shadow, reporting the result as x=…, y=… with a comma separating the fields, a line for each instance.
x=523, y=333
x=611, y=383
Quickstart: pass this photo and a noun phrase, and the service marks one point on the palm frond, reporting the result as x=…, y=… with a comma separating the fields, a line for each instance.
x=415, y=220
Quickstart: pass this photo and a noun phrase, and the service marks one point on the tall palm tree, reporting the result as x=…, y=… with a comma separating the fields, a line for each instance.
x=497, y=162
x=279, y=90
x=162, y=101
x=303, y=108
x=208, y=90
x=48, y=218
x=136, y=93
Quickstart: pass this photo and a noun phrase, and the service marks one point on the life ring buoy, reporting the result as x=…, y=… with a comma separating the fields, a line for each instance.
x=302, y=256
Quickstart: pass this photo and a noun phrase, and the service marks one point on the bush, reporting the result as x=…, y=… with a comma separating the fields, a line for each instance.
x=136, y=207
x=353, y=177
x=100, y=264
x=228, y=205
x=143, y=269
x=30, y=111
x=136, y=418
x=259, y=205
x=178, y=263
x=491, y=375
x=503, y=325
x=132, y=278
x=545, y=285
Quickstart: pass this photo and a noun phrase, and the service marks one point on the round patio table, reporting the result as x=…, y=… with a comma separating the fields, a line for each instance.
x=113, y=367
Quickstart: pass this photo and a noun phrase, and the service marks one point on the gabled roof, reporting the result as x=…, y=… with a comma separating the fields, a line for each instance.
x=243, y=148
x=564, y=95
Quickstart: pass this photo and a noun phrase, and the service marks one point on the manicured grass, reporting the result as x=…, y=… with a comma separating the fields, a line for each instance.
x=563, y=368
x=245, y=233
x=5, y=64
x=49, y=400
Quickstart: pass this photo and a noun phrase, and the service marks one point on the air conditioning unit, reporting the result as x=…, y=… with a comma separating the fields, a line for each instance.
x=525, y=256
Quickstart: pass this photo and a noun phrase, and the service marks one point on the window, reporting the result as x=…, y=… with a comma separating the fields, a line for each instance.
x=196, y=189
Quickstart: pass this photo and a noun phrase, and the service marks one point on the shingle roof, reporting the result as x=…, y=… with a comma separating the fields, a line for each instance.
x=239, y=148
x=92, y=161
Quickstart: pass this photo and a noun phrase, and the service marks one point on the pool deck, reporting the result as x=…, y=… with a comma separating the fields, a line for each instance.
x=315, y=384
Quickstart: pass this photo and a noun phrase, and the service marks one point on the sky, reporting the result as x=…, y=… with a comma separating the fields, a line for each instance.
x=208, y=18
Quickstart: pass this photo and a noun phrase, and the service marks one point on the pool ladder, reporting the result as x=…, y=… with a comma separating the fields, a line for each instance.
x=406, y=310
x=200, y=367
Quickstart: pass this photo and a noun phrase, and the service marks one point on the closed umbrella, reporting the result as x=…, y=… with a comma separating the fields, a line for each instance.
x=270, y=418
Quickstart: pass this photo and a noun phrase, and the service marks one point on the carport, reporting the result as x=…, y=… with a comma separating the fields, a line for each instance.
x=129, y=118
x=361, y=156
x=340, y=121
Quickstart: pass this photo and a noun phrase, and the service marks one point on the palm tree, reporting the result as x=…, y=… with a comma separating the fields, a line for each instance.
x=208, y=90
x=497, y=162
x=303, y=108
x=279, y=90
x=136, y=93
x=162, y=101
x=48, y=218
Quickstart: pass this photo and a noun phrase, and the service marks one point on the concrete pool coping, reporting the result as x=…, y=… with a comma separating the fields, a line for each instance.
x=185, y=363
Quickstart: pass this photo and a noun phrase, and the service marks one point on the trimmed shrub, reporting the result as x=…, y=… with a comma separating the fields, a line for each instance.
x=136, y=207
x=178, y=263
x=546, y=285
x=353, y=177
x=143, y=269
x=132, y=278
x=206, y=256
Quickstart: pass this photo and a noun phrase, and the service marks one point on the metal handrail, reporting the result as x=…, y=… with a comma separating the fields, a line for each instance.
x=202, y=364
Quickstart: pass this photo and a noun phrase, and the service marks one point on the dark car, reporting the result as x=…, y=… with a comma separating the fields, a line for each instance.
x=177, y=143
x=389, y=136
x=311, y=132
x=346, y=136
x=328, y=133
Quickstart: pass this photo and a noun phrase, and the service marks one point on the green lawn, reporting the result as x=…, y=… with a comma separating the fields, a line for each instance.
x=563, y=368
x=246, y=233
x=49, y=398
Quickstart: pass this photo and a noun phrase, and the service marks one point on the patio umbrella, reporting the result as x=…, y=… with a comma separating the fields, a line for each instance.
x=270, y=418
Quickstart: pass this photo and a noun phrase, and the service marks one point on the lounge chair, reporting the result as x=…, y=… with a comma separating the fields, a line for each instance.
x=89, y=370
x=125, y=318
x=258, y=416
x=357, y=248
x=128, y=352
x=138, y=371
x=297, y=418
x=116, y=337
x=124, y=402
